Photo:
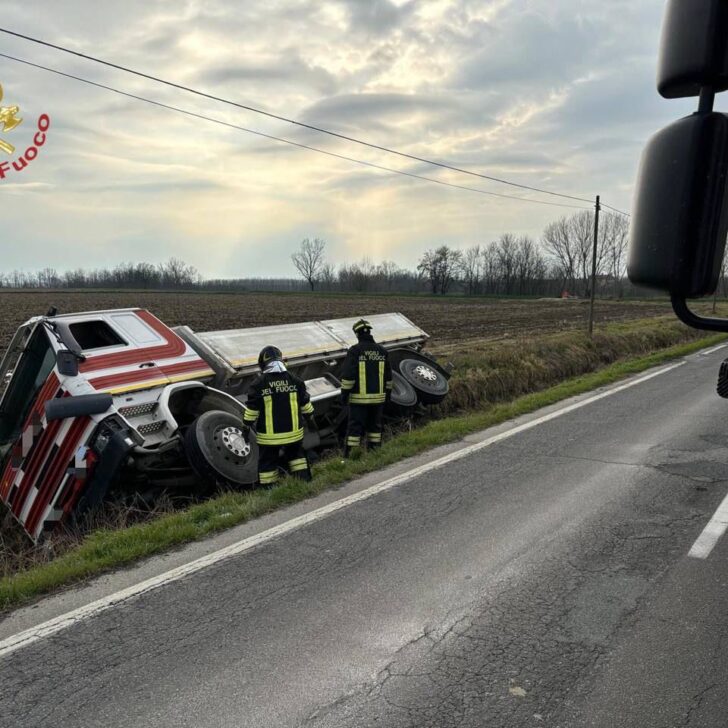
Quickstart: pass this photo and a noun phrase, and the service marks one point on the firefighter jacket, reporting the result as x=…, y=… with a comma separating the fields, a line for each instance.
x=275, y=403
x=366, y=375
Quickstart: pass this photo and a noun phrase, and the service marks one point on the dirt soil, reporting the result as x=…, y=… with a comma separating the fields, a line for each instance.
x=447, y=320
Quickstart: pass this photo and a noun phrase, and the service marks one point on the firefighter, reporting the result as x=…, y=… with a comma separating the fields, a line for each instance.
x=366, y=385
x=276, y=401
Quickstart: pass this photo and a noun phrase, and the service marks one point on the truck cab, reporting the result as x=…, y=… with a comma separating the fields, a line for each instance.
x=116, y=401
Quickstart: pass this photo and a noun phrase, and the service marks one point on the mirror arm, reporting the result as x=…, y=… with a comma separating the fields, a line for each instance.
x=706, y=100
x=680, y=307
x=62, y=332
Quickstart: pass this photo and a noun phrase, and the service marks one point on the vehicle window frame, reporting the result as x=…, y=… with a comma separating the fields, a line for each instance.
x=44, y=366
x=123, y=343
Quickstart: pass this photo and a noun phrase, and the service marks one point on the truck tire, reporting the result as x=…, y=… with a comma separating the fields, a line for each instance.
x=217, y=451
x=404, y=397
x=428, y=381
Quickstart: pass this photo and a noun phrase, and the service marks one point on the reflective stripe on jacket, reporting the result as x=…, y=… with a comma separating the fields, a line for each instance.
x=275, y=403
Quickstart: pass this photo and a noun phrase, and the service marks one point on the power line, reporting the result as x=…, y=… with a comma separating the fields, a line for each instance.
x=614, y=209
x=213, y=120
x=278, y=117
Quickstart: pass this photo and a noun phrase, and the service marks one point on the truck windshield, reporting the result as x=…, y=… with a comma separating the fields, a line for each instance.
x=32, y=369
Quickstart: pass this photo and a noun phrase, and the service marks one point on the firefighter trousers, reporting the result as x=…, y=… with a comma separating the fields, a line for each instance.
x=291, y=457
x=365, y=420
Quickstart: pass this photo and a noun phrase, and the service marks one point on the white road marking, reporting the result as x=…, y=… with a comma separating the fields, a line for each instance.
x=711, y=534
x=52, y=626
x=712, y=350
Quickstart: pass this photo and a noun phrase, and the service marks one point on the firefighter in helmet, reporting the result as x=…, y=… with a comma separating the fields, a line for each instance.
x=276, y=403
x=366, y=385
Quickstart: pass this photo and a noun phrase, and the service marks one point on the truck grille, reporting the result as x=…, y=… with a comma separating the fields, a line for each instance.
x=151, y=427
x=137, y=410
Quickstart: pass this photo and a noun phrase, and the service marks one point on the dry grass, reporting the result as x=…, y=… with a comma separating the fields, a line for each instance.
x=18, y=553
x=106, y=549
x=487, y=373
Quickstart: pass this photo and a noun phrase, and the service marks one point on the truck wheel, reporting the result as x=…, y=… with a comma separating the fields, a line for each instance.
x=430, y=384
x=218, y=452
x=404, y=397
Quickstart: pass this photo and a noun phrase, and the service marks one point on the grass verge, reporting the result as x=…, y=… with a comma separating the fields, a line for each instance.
x=105, y=549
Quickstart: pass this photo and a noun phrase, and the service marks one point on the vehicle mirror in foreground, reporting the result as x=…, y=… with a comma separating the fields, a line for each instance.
x=693, y=51
x=680, y=216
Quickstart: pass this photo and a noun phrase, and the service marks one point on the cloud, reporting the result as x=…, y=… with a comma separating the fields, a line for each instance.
x=527, y=49
x=559, y=95
x=284, y=68
x=376, y=16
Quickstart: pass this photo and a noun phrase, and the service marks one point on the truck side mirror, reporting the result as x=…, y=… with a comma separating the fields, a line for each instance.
x=83, y=405
x=680, y=216
x=680, y=220
x=693, y=51
x=67, y=363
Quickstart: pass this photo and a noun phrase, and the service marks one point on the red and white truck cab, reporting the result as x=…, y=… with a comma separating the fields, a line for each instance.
x=118, y=402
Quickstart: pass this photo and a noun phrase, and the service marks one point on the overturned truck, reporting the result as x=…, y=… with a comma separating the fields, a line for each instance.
x=109, y=403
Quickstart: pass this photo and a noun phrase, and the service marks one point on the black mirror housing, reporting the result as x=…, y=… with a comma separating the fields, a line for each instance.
x=84, y=405
x=693, y=49
x=680, y=217
x=67, y=363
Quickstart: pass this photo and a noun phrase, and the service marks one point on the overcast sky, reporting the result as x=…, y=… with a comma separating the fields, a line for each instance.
x=553, y=93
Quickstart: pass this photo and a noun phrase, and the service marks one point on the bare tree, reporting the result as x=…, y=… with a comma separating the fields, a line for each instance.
x=490, y=267
x=175, y=273
x=441, y=267
x=388, y=272
x=309, y=259
x=559, y=245
x=328, y=276
x=472, y=269
x=569, y=241
x=581, y=232
x=530, y=265
x=507, y=250
x=358, y=276
x=616, y=237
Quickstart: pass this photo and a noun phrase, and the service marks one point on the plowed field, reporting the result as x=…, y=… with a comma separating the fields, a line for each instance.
x=447, y=320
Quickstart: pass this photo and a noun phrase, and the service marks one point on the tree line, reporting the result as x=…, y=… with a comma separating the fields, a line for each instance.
x=511, y=265
x=174, y=274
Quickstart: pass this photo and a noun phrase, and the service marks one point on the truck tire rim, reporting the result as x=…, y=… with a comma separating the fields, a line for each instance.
x=425, y=373
x=234, y=441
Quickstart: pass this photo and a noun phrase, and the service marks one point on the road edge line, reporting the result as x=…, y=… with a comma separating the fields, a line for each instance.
x=57, y=624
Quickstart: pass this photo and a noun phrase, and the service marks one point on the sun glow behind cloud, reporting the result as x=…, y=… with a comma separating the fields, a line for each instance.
x=553, y=94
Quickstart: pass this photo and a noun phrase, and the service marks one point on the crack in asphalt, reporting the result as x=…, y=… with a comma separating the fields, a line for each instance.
x=661, y=467
x=511, y=639
x=696, y=702
x=530, y=638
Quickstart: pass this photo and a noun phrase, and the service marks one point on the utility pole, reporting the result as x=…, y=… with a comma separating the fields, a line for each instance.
x=597, y=207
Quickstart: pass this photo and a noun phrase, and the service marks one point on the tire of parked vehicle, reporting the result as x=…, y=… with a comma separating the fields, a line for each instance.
x=426, y=378
x=218, y=452
x=403, y=399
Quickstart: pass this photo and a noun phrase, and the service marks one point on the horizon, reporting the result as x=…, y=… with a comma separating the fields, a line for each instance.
x=443, y=80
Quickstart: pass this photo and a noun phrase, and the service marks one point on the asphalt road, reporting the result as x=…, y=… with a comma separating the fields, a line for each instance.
x=541, y=581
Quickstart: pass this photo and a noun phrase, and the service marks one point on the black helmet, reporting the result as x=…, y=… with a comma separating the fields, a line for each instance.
x=269, y=354
x=362, y=326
